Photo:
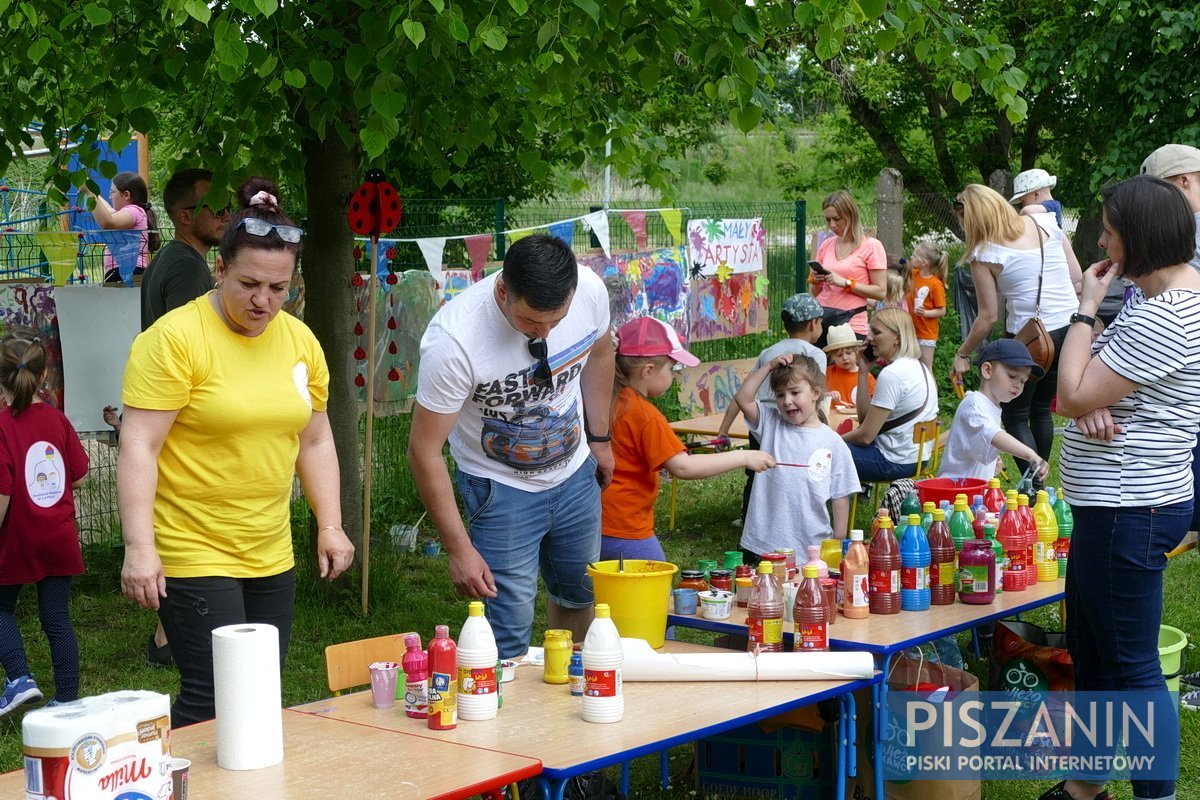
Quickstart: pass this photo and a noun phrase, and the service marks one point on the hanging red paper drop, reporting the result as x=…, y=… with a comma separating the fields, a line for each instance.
x=360, y=353
x=357, y=280
x=391, y=323
x=357, y=253
x=358, y=329
x=360, y=381
x=393, y=375
x=392, y=279
x=392, y=348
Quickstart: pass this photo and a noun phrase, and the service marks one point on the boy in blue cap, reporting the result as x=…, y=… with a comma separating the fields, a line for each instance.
x=976, y=438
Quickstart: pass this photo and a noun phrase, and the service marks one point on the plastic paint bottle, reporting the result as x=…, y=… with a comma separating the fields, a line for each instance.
x=884, y=576
x=831, y=553
x=575, y=671
x=1012, y=538
x=927, y=509
x=914, y=572
x=811, y=614
x=1066, y=526
x=978, y=509
x=416, y=678
x=443, y=688
x=602, y=662
x=828, y=583
x=962, y=498
x=764, y=618
x=942, y=578
x=879, y=515
x=910, y=505
x=959, y=523
x=1047, y=535
x=856, y=603
x=977, y=573
x=993, y=497
x=1029, y=528
x=478, y=695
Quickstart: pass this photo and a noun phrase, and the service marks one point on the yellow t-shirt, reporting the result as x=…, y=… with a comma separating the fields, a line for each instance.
x=225, y=470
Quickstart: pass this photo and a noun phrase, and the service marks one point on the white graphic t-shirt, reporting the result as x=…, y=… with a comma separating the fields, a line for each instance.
x=476, y=365
x=45, y=474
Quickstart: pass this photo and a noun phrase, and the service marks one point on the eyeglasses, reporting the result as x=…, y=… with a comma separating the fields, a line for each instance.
x=958, y=203
x=258, y=227
x=217, y=212
x=542, y=375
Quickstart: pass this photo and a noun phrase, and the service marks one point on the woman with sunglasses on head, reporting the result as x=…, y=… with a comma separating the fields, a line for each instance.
x=905, y=394
x=224, y=401
x=1017, y=256
x=1134, y=397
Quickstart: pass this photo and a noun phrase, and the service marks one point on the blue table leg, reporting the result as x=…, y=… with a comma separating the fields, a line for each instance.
x=664, y=769
x=553, y=790
x=840, y=734
x=625, y=765
x=852, y=739
x=880, y=704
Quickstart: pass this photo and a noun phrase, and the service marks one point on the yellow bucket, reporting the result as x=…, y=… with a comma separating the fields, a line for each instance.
x=1171, y=642
x=637, y=597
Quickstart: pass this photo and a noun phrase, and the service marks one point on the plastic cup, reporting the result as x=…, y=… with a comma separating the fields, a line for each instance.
x=716, y=604
x=384, y=675
x=179, y=778
x=431, y=548
x=685, y=600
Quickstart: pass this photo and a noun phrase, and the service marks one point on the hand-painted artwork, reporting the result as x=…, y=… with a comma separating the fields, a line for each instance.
x=403, y=310
x=709, y=387
x=455, y=281
x=652, y=283
x=29, y=309
x=733, y=307
x=738, y=244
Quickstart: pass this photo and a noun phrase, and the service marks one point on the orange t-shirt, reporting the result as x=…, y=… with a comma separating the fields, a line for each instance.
x=642, y=442
x=928, y=293
x=845, y=383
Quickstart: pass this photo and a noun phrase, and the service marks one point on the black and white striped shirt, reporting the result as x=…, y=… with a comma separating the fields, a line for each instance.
x=1154, y=342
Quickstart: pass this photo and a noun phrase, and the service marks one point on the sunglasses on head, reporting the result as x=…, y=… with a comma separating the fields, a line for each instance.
x=542, y=376
x=257, y=227
x=958, y=203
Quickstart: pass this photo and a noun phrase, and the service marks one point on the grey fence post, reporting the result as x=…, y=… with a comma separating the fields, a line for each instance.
x=889, y=211
x=801, y=217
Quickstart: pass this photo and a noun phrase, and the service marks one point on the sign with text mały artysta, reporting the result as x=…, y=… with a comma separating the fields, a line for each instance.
x=740, y=244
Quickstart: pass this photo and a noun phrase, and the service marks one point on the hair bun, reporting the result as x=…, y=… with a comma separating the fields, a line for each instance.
x=259, y=192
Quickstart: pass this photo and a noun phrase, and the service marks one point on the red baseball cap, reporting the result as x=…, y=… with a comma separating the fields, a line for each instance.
x=647, y=336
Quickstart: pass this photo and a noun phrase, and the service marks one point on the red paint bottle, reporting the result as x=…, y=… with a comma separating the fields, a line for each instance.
x=443, y=681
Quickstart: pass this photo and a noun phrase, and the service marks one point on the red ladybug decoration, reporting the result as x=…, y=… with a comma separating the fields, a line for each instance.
x=392, y=348
x=358, y=329
x=357, y=280
x=359, y=353
x=357, y=253
x=393, y=375
x=390, y=254
x=360, y=381
x=392, y=279
x=374, y=207
x=391, y=323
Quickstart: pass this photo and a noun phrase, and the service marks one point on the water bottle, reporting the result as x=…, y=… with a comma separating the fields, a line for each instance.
x=811, y=614
x=942, y=578
x=914, y=571
x=477, y=656
x=443, y=686
x=602, y=661
x=416, y=677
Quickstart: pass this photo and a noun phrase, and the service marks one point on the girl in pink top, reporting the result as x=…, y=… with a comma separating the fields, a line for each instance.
x=128, y=208
x=855, y=264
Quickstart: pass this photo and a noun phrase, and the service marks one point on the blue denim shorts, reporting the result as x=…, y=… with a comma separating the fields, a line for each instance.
x=554, y=533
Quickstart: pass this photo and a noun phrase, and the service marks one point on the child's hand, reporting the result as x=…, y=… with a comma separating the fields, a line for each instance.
x=1040, y=468
x=835, y=397
x=782, y=361
x=758, y=461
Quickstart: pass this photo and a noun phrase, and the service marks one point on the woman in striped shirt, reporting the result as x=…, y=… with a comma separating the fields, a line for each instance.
x=1134, y=394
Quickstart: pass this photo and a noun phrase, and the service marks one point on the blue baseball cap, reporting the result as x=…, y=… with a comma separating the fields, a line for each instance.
x=1010, y=352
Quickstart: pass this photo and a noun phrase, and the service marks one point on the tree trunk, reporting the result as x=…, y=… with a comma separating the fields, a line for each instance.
x=330, y=176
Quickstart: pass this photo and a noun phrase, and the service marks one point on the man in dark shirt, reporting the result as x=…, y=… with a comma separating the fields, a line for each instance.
x=179, y=272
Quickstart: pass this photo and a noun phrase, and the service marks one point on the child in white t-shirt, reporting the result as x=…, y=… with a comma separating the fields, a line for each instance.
x=788, y=504
x=976, y=439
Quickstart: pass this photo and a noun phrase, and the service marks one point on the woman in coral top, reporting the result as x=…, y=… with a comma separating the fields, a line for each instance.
x=855, y=264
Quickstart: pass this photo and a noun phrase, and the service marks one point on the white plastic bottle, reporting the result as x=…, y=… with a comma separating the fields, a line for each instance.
x=602, y=661
x=478, y=693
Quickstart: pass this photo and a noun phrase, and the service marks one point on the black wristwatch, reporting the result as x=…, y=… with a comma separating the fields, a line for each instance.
x=592, y=438
x=1077, y=317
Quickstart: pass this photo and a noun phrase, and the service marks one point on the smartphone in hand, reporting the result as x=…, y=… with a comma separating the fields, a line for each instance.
x=817, y=267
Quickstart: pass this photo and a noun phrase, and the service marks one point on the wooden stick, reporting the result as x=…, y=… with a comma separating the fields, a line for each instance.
x=367, y=448
x=785, y=464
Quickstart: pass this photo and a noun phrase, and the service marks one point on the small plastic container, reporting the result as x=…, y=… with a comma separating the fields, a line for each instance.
x=721, y=580
x=742, y=589
x=692, y=579
x=977, y=572
x=716, y=604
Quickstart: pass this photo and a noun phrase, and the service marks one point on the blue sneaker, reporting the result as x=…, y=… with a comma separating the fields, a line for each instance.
x=18, y=692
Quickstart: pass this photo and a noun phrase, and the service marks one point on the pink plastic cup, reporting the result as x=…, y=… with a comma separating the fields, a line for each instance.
x=383, y=683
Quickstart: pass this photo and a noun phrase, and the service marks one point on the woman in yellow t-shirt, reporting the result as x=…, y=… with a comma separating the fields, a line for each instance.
x=224, y=401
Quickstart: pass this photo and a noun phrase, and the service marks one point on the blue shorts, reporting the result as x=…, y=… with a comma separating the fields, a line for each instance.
x=520, y=534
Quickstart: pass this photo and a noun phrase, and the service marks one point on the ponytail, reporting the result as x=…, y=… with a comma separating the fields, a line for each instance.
x=22, y=367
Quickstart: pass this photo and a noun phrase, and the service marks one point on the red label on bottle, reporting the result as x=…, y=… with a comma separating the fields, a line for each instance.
x=914, y=578
x=814, y=636
x=601, y=682
x=477, y=680
x=885, y=581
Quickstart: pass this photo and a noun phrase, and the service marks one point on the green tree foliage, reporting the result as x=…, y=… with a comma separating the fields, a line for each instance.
x=457, y=96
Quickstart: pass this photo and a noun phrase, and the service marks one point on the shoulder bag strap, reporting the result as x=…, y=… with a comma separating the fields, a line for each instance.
x=1037, y=306
x=916, y=412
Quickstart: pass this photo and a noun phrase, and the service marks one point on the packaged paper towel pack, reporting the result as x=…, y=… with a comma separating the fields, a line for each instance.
x=100, y=748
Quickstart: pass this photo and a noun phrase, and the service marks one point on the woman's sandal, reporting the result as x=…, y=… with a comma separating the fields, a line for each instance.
x=1059, y=792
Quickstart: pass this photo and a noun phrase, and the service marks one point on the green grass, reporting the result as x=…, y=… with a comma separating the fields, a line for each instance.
x=412, y=592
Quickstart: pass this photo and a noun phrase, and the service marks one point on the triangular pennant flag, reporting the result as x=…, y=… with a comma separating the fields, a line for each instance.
x=381, y=264
x=478, y=249
x=432, y=250
x=598, y=222
x=516, y=236
x=637, y=223
x=125, y=246
x=564, y=231
x=673, y=219
x=62, y=252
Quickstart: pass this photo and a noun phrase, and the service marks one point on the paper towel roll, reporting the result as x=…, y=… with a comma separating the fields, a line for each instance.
x=644, y=663
x=248, y=700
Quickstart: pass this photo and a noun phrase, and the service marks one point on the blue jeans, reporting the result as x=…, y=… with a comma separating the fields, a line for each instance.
x=1027, y=417
x=554, y=532
x=872, y=464
x=1114, y=601
x=650, y=549
x=54, y=596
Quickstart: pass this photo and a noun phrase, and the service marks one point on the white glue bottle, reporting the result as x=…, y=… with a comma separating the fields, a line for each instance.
x=478, y=694
x=602, y=660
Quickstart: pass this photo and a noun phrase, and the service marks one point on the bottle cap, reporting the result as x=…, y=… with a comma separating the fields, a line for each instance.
x=1022, y=499
x=960, y=503
x=811, y=571
x=856, y=535
x=441, y=632
x=885, y=522
x=412, y=640
x=1010, y=503
x=939, y=515
x=993, y=483
x=928, y=507
x=764, y=567
x=914, y=519
x=1043, y=495
x=602, y=611
x=475, y=608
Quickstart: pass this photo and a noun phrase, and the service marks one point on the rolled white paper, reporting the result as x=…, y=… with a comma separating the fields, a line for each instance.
x=643, y=663
x=248, y=699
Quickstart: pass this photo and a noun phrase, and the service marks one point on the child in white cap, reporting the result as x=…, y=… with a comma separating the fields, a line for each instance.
x=1031, y=191
x=648, y=355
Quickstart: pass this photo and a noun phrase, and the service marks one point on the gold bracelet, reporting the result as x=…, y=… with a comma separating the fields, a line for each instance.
x=332, y=528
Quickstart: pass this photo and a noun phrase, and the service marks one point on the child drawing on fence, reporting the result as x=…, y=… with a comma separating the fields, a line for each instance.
x=788, y=505
x=927, y=297
x=648, y=353
x=41, y=461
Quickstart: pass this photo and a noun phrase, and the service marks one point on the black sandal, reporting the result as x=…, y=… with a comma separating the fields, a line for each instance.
x=1059, y=792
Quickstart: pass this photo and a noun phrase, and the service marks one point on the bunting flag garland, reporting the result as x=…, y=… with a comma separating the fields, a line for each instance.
x=564, y=231
x=516, y=236
x=637, y=223
x=478, y=249
x=433, y=249
x=62, y=251
x=125, y=246
x=597, y=222
x=673, y=219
